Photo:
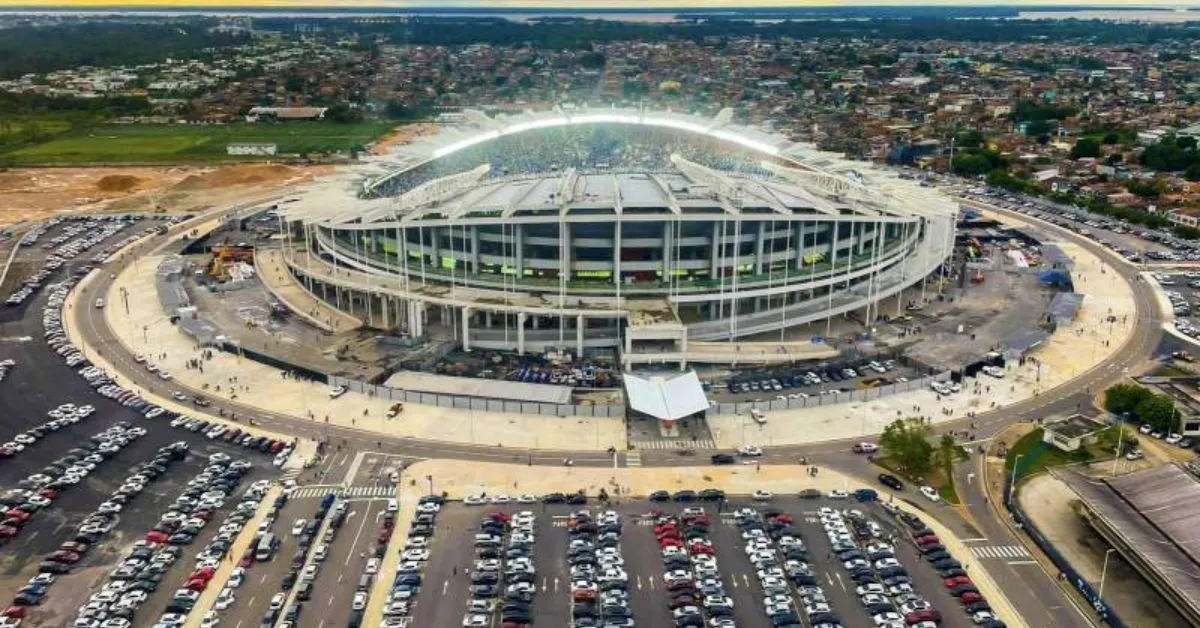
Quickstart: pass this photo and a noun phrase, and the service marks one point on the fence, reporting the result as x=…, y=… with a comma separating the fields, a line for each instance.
x=816, y=401
x=482, y=404
x=1102, y=609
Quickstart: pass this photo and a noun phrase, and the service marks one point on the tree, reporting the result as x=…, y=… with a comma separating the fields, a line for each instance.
x=923, y=67
x=593, y=60
x=1111, y=138
x=1124, y=398
x=1085, y=147
x=1158, y=411
x=906, y=443
x=1145, y=189
x=947, y=454
x=1192, y=173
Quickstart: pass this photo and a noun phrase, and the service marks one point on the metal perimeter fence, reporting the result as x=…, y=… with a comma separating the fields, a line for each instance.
x=1103, y=610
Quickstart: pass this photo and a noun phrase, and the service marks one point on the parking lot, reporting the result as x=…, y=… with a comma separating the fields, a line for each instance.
x=819, y=379
x=100, y=496
x=792, y=565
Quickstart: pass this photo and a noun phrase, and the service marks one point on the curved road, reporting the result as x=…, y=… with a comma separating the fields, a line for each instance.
x=1026, y=584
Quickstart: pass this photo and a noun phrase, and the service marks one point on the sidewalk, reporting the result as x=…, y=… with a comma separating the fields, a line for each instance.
x=240, y=544
x=145, y=329
x=459, y=479
x=1068, y=353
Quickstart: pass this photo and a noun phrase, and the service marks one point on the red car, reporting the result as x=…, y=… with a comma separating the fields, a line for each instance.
x=384, y=535
x=969, y=598
x=700, y=548
x=48, y=493
x=8, y=531
x=15, y=611
x=920, y=616
x=956, y=580
x=584, y=595
x=6, y=452
x=928, y=539
x=62, y=556
x=247, y=560
x=72, y=546
x=196, y=584
x=203, y=514
x=276, y=446
x=783, y=518
x=500, y=516
x=17, y=513
x=203, y=573
x=156, y=537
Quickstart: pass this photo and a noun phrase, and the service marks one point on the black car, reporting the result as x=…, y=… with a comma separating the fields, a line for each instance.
x=554, y=498
x=660, y=496
x=684, y=496
x=484, y=590
x=976, y=607
x=289, y=580
x=577, y=499
x=891, y=481
x=810, y=493
x=723, y=459
x=304, y=592
x=712, y=494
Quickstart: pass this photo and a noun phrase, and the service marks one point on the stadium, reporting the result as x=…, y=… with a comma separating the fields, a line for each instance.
x=654, y=234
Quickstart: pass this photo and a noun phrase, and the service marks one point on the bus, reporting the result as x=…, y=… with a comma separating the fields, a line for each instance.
x=266, y=547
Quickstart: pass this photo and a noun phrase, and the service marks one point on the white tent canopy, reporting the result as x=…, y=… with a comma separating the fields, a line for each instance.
x=666, y=399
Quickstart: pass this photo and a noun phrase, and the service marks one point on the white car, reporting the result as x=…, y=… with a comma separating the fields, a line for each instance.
x=931, y=494
x=500, y=498
x=475, y=620
x=1174, y=438
x=763, y=496
x=527, y=498
x=837, y=494
x=236, y=577
x=298, y=527
x=337, y=391
x=475, y=500
x=429, y=508
x=225, y=599
x=750, y=450
x=417, y=554
x=359, y=602
x=373, y=564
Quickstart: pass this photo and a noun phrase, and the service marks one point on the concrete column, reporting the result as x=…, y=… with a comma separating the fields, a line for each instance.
x=466, y=328
x=535, y=322
x=487, y=320
x=617, y=255
x=799, y=239
x=668, y=235
x=475, y=249
x=579, y=324
x=521, y=333
x=860, y=242
x=519, y=248
x=758, y=247
x=435, y=246
x=714, y=250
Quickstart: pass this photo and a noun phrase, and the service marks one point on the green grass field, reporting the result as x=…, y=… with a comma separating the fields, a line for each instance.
x=187, y=143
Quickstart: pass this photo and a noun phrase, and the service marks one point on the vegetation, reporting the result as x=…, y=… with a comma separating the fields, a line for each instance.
x=1140, y=405
x=113, y=143
x=1085, y=147
x=1031, y=455
x=1172, y=153
x=906, y=444
x=41, y=49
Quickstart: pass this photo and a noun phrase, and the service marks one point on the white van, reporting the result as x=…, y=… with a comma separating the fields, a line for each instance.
x=99, y=303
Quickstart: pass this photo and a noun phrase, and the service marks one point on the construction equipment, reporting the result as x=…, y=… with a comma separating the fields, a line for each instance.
x=223, y=256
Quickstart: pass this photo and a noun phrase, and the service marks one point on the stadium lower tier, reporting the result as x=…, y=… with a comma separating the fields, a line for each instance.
x=536, y=286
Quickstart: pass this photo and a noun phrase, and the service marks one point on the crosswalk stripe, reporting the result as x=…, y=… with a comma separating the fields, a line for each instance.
x=633, y=459
x=350, y=491
x=674, y=444
x=999, y=551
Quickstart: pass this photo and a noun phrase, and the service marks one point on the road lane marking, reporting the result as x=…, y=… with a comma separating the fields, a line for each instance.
x=354, y=543
x=445, y=585
x=1022, y=562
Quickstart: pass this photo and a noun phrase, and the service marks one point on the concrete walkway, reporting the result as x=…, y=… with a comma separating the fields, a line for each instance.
x=145, y=329
x=1068, y=353
x=458, y=478
x=273, y=272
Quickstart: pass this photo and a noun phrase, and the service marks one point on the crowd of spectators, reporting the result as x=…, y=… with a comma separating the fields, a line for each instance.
x=589, y=148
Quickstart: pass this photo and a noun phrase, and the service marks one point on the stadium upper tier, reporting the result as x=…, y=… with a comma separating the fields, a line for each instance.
x=738, y=231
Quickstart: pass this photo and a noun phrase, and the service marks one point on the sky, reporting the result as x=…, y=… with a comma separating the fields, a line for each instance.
x=582, y=5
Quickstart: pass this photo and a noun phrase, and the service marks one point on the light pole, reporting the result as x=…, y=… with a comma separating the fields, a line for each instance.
x=430, y=478
x=1013, y=483
x=1104, y=572
x=1120, y=441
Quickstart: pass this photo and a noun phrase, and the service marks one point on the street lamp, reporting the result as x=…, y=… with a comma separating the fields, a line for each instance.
x=1104, y=572
x=430, y=478
x=1013, y=483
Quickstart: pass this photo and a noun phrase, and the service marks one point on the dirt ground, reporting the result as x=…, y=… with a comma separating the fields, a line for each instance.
x=402, y=135
x=1050, y=503
x=36, y=193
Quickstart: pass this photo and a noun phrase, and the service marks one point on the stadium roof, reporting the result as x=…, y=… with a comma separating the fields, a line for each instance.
x=801, y=180
x=666, y=399
x=1156, y=513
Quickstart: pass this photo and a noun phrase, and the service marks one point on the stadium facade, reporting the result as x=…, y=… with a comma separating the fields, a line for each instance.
x=647, y=232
